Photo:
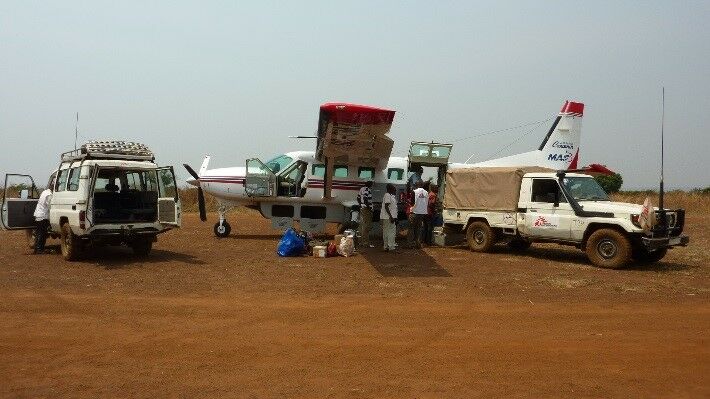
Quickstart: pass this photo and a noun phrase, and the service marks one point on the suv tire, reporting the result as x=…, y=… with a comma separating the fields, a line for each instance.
x=608, y=248
x=480, y=237
x=69, y=243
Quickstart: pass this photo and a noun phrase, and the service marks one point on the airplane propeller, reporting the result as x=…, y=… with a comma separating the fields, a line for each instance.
x=200, y=194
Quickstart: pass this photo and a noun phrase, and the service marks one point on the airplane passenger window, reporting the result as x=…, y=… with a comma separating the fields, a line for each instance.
x=340, y=171
x=395, y=174
x=318, y=170
x=364, y=172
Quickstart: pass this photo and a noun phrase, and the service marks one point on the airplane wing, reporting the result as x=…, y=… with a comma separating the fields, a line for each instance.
x=352, y=134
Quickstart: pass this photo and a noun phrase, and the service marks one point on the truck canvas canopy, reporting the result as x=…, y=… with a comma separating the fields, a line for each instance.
x=486, y=188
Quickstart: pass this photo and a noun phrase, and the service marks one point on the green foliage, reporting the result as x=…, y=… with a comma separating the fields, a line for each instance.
x=610, y=183
x=701, y=191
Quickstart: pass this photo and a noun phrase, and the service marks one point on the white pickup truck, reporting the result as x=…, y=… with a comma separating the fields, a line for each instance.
x=106, y=192
x=524, y=205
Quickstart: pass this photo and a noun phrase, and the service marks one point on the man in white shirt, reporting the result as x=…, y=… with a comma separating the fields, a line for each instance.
x=388, y=215
x=41, y=215
x=364, y=199
x=420, y=210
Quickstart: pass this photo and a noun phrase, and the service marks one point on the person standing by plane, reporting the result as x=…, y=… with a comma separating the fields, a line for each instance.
x=41, y=216
x=420, y=211
x=388, y=215
x=364, y=199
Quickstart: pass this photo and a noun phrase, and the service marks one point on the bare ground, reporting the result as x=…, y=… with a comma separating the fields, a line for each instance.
x=203, y=317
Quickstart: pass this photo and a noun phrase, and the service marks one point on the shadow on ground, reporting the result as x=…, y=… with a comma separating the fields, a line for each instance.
x=119, y=257
x=402, y=262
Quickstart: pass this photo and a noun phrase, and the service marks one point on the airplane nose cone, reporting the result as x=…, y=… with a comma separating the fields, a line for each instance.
x=193, y=182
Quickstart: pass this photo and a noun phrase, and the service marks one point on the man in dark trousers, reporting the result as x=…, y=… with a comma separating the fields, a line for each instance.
x=420, y=210
x=42, y=217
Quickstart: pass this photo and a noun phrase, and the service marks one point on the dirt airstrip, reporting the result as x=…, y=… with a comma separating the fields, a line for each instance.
x=204, y=317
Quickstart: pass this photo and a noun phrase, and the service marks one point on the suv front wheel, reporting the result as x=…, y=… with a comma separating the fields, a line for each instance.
x=608, y=248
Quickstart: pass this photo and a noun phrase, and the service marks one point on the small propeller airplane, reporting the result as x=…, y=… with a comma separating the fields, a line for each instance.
x=316, y=187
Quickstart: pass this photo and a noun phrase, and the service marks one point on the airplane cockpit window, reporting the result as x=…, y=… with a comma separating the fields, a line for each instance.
x=395, y=174
x=365, y=172
x=340, y=171
x=318, y=170
x=278, y=163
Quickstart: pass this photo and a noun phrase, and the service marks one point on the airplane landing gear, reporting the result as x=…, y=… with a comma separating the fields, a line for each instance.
x=223, y=229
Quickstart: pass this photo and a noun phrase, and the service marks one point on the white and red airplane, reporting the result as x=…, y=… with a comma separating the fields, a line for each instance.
x=315, y=187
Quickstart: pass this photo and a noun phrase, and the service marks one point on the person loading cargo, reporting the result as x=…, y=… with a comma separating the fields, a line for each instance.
x=420, y=211
x=41, y=215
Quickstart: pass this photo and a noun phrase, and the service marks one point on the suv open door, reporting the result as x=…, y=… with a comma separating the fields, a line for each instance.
x=19, y=201
x=260, y=179
x=168, y=199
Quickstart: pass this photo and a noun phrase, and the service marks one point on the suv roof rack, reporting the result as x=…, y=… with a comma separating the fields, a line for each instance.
x=112, y=149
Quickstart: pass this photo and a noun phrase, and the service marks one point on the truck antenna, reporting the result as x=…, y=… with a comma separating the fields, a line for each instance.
x=661, y=209
x=76, y=130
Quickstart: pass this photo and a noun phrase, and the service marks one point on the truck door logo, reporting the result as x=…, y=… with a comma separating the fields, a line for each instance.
x=545, y=222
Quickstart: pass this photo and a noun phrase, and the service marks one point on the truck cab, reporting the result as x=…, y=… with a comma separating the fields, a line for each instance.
x=103, y=193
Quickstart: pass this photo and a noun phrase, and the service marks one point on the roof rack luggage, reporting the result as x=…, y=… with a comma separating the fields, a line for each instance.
x=112, y=149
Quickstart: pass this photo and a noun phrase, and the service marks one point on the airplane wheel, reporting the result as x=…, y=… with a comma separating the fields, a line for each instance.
x=223, y=230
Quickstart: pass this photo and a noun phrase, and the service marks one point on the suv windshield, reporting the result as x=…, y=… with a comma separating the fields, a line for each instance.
x=585, y=189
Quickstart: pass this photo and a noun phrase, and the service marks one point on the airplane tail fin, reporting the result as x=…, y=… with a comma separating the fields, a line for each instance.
x=560, y=147
x=205, y=163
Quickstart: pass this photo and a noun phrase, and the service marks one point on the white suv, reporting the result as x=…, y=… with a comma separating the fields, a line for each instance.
x=109, y=192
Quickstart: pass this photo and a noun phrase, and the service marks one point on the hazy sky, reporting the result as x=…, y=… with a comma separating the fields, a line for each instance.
x=233, y=79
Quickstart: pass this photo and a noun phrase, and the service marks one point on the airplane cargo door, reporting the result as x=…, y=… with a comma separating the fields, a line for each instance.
x=19, y=202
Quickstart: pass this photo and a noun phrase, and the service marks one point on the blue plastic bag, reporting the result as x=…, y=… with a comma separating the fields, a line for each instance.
x=291, y=244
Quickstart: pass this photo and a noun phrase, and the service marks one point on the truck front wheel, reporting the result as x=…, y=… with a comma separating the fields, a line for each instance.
x=70, y=245
x=608, y=248
x=480, y=237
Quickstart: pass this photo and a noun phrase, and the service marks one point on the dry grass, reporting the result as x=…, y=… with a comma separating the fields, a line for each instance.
x=690, y=201
x=188, y=197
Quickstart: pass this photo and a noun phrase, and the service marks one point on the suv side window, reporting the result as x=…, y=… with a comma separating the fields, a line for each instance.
x=74, y=174
x=546, y=190
x=62, y=180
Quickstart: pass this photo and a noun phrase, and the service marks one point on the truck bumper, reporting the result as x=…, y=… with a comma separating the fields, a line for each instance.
x=653, y=244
